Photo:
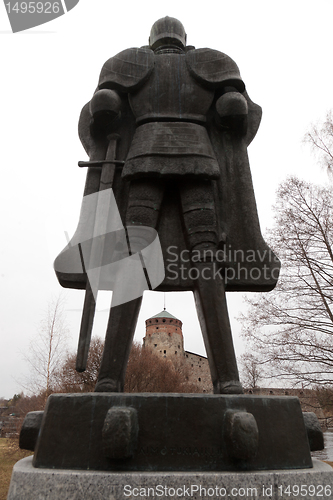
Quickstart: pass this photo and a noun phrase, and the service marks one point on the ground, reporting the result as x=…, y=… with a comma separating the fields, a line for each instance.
x=9, y=455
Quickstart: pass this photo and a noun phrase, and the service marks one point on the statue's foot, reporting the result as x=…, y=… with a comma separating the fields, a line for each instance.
x=107, y=385
x=231, y=387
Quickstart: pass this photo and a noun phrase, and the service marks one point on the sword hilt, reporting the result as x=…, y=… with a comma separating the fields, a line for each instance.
x=99, y=163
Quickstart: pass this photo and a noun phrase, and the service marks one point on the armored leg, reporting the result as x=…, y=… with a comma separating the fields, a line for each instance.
x=201, y=228
x=199, y=214
x=143, y=211
x=213, y=315
x=144, y=202
x=118, y=343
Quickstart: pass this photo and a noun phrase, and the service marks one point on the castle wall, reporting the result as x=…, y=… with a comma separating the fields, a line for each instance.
x=164, y=336
x=199, y=372
x=307, y=398
x=165, y=344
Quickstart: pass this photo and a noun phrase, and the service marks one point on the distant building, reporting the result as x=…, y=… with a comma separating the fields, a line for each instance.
x=164, y=336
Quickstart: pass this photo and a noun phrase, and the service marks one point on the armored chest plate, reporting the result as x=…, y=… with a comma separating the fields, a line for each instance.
x=171, y=93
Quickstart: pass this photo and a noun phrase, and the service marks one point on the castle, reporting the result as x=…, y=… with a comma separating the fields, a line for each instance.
x=164, y=336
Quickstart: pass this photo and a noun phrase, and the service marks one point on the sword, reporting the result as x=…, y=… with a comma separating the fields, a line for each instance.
x=88, y=313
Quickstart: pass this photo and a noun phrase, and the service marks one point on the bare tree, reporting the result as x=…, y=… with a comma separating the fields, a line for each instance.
x=320, y=138
x=146, y=372
x=251, y=371
x=291, y=329
x=69, y=380
x=47, y=349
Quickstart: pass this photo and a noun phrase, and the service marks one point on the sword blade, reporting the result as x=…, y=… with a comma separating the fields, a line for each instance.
x=89, y=307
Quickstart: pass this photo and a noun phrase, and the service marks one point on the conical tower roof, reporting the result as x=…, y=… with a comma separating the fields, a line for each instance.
x=164, y=314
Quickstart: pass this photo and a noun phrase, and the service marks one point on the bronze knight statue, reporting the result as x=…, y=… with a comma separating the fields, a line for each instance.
x=168, y=206
x=172, y=124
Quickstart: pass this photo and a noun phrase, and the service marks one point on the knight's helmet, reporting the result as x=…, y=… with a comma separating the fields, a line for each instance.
x=165, y=31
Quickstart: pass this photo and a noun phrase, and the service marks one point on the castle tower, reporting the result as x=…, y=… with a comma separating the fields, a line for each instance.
x=164, y=335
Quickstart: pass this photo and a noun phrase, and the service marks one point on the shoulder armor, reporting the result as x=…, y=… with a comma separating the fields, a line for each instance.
x=213, y=68
x=127, y=70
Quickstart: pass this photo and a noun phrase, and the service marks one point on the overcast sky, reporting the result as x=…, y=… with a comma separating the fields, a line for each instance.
x=284, y=52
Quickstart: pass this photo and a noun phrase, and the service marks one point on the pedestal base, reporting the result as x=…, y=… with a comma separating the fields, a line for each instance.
x=171, y=432
x=29, y=483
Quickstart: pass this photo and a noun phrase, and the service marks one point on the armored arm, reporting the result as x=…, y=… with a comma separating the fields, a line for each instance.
x=105, y=107
x=123, y=73
x=232, y=111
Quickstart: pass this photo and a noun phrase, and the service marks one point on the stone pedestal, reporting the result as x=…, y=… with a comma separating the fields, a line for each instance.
x=169, y=432
x=29, y=483
x=112, y=446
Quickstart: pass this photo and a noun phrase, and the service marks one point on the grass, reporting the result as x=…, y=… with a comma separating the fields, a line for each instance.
x=9, y=455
